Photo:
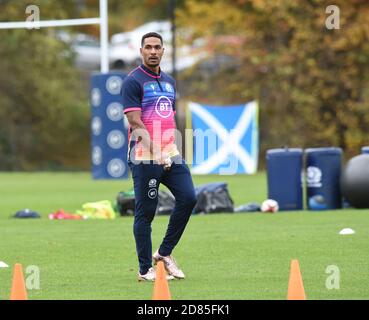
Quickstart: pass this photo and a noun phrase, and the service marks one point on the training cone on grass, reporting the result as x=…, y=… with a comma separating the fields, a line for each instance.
x=295, y=285
x=161, y=287
x=18, y=290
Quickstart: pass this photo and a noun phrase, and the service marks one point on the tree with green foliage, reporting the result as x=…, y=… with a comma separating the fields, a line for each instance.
x=311, y=81
x=44, y=120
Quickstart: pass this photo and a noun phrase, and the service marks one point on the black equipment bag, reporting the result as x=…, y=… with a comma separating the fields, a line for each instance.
x=125, y=203
x=213, y=197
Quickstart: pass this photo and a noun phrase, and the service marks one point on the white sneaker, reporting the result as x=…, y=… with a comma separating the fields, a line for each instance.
x=170, y=265
x=150, y=276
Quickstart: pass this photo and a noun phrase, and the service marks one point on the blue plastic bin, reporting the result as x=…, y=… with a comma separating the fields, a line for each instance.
x=365, y=150
x=284, y=168
x=323, y=171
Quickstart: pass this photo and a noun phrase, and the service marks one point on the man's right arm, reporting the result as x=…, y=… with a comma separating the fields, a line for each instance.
x=140, y=133
x=131, y=96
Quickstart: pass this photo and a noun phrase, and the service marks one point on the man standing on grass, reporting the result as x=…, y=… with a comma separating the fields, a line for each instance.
x=149, y=103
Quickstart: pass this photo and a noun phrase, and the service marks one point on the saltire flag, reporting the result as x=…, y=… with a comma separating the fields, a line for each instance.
x=225, y=138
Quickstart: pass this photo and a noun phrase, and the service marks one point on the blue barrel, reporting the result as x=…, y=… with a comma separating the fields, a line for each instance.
x=365, y=150
x=323, y=172
x=284, y=168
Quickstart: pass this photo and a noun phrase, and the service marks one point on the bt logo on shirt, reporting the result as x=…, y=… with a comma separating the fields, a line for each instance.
x=163, y=107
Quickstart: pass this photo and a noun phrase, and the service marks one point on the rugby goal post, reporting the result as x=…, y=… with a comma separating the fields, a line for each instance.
x=102, y=20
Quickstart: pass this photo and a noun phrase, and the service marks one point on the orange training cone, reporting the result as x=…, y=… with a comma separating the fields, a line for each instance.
x=18, y=290
x=161, y=287
x=295, y=286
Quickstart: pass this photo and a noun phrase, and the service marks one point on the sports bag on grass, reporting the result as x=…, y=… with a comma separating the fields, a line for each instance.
x=212, y=198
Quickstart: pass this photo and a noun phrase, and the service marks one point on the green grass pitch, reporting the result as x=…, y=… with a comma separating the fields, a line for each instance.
x=241, y=256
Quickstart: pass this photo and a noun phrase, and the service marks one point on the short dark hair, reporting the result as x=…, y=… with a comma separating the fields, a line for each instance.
x=150, y=35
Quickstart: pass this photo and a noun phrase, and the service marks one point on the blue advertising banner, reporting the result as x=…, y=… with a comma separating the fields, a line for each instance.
x=226, y=138
x=109, y=143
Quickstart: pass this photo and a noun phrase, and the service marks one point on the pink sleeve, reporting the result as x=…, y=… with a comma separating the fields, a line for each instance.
x=132, y=109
